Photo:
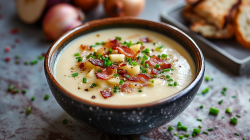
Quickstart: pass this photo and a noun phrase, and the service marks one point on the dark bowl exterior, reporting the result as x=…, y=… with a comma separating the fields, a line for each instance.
x=132, y=119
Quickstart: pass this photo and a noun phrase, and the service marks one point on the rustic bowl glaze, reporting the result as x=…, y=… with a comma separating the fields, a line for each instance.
x=130, y=119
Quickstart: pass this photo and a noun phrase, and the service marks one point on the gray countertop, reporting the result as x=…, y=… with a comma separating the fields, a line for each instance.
x=45, y=120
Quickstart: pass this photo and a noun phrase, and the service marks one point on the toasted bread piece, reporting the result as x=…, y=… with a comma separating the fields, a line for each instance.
x=210, y=31
x=216, y=12
x=193, y=1
x=242, y=24
x=190, y=16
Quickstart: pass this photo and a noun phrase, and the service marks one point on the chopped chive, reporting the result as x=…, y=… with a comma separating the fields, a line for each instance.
x=200, y=126
x=207, y=78
x=175, y=83
x=181, y=136
x=201, y=106
x=224, y=89
x=159, y=56
x=93, y=85
x=179, y=127
x=110, y=51
x=204, y=132
x=145, y=57
x=199, y=120
x=15, y=90
x=11, y=87
x=74, y=74
x=170, y=80
x=76, y=54
x=84, y=80
x=170, y=128
x=33, y=62
x=159, y=48
x=121, y=82
x=145, y=51
x=233, y=120
x=184, y=128
x=233, y=96
x=140, y=42
x=172, y=69
x=152, y=81
x=196, y=131
x=97, y=43
x=238, y=116
x=157, y=66
x=220, y=102
x=99, y=71
x=223, y=93
x=118, y=38
x=92, y=46
x=186, y=135
x=26, y=63
x=170, y=84
x=146, y=65
x=116, y=75
x=24, y=91
x=193, y=134
x=116, y=88
x=33, y=98
x=144, y=70
x=166, y=70
x=64, y=121
x=236, y=134
x=139, y=90
x=102, y=43
x=175, y=133
x=229, y=110
x=18, y=56
x=127, y=76
x=164, y=56
x=46, y=97
x=222, y=117
x=155, y=76
x=154, y=43
x=28, y=110
x=134, y=63
x=139, y=57
x=40, y=57
x=205, y=90
x=179, y=124
x=210, y=129
x=214, y=111
x=167, y=76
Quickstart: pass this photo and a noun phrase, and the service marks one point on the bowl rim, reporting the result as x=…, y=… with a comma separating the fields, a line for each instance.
x=51, y=51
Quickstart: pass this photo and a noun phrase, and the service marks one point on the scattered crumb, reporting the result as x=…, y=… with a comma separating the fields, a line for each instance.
x=97, y=35
x=86, y=89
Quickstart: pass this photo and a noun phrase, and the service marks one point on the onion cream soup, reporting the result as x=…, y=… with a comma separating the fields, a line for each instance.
x=124, y=66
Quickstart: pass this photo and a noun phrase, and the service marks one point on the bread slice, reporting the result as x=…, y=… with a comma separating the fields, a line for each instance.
x=190, y=16
x=216, y=12
x=242, y=24
x=210, y=31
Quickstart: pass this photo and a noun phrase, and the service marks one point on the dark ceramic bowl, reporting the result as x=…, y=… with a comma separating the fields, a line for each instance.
x=130, y=119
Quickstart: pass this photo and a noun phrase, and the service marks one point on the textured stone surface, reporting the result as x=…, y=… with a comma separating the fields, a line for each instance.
x=45, y=120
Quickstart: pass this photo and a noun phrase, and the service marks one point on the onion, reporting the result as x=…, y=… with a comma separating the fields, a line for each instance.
x=87, y=5
x=121, y=8
x=61, y=18
x=31, y=11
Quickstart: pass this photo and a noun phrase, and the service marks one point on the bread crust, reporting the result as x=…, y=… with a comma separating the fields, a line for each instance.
x=242, y=25
x=190, y=16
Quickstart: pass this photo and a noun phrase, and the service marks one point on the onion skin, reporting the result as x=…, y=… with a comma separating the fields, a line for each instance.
x=121, y=8
x=59, y=19
x=51, y=3
x=87, y=5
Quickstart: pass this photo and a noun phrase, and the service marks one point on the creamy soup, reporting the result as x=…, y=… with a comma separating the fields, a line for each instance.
x=124, y=66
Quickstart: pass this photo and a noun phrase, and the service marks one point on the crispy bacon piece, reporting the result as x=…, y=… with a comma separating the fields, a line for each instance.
x=97, y=62
x=106, y=74
x=156, y=60
x=122, y=72
x=154, y=71
x=115, y=67
x=146, y=40
x=123, y=64
x=127, y=51
x=139, y=78
x=127, y=87
x=112, y=44
x=86, y=48
x=81, y=65
x=142, y=48
x=106, y=93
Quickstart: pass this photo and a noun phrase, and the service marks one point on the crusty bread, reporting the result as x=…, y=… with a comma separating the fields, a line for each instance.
x=210, y=31
x=216, y=11
x=193, y=1
x=190, y=16
x=242, y=24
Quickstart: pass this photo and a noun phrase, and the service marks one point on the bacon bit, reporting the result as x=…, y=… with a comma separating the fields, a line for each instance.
x=106, y=73
x=123, y=64
x=154, y=71
x=127, y=87
x=142, y=47
x=87, y=48
x=128, y=52
x=17, y=40
x=14, y=31
x=105, y=94
x=139, y=78
x=112, y=44
x=97, y=62
x=7, y=49
x=81, y=65
x=122, y=72
x=115, y=67
x=7, y=59
x=156, y=60
x=146, y=40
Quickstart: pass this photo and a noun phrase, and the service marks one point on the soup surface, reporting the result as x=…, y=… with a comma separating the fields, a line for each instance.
x=124, y=66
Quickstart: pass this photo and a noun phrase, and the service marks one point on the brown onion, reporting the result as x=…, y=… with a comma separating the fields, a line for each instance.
x=87, y=5
x=61, y=18
x=121, y=8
